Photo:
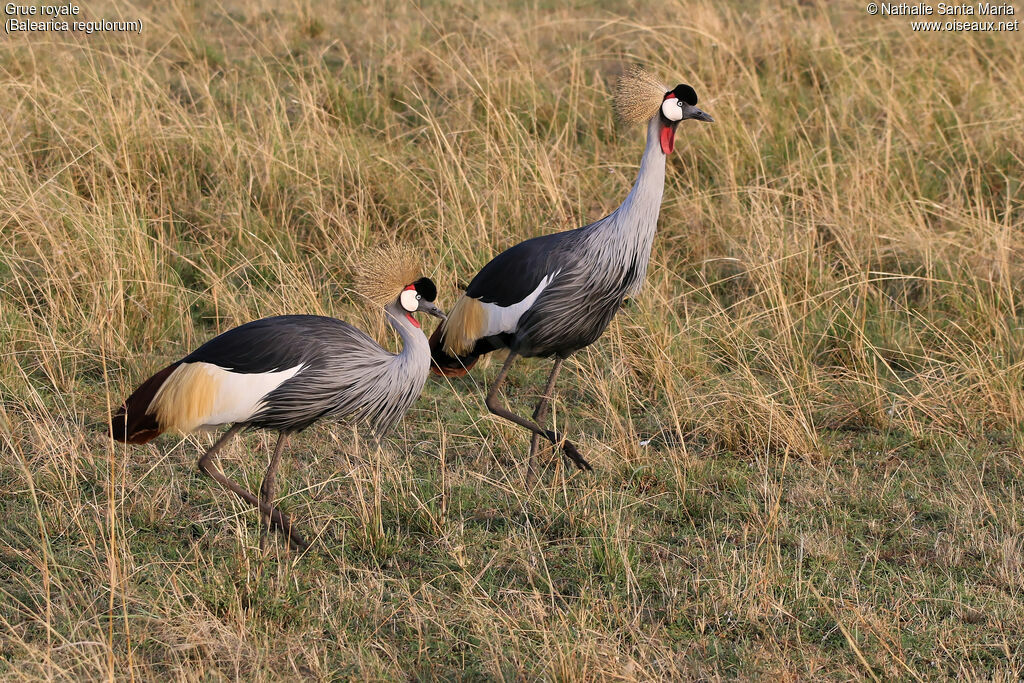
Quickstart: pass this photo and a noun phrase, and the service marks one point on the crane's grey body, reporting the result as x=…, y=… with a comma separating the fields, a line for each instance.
x=343, y=372
x=588, y=270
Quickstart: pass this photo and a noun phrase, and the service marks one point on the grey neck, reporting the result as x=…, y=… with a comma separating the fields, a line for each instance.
x=643, y=203
x=414, y=342
x=623, y=239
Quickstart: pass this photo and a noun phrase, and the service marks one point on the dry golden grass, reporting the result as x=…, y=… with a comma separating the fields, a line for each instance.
x=827, y=364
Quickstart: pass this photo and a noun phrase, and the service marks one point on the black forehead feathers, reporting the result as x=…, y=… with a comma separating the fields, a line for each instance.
x=426, y=288
x=685, y=93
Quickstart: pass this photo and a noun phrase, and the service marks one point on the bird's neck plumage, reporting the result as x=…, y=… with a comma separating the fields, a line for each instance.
x=414, y=342
x=388, y=383
x=624, y=238
x=639, y=211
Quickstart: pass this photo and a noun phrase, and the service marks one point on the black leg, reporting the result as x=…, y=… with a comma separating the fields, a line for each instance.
x=539, y=413
x=552, y=436
x=267, y=488
x=276, y=516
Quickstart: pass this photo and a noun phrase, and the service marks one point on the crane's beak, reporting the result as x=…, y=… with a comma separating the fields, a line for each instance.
x=699, y=115
x=428, y=307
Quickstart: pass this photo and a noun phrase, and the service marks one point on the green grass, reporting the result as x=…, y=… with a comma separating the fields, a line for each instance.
x=827, y=362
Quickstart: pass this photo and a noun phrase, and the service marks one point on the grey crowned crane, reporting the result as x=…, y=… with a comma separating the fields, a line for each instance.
x=286, y=372
x=555, y=294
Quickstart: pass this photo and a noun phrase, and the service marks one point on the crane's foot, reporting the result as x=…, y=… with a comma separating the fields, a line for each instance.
x=570, y=450
x=576, y=458
x=283, y=523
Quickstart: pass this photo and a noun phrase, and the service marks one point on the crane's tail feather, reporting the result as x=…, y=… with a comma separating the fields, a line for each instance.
x=132, y=423
x=455, y=344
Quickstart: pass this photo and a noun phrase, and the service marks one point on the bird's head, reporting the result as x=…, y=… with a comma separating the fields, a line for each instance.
x=677, y=105
x=392, y=278
x=639, y=98
x=419, y=296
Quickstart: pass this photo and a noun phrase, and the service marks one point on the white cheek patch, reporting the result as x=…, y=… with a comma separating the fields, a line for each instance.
x=672, y=108
x=410, y=300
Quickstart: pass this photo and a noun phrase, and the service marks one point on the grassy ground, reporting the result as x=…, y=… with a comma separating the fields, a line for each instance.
x=826, y=367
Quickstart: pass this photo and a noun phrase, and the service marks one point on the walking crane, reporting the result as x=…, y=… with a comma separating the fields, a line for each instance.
x=286, y=372
x=555, y=294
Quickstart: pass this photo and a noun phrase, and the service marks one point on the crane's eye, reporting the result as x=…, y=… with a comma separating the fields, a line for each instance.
x=409, y=300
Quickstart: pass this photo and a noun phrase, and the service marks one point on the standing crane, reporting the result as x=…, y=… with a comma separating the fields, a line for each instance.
x=286, y=372
x=555, y=294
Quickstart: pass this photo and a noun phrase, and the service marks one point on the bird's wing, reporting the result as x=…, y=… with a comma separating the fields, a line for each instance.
x=281, y=373
x=509, y=285
x=498, y=296
x=515, y=273
x=274, y=344
x=234, y=376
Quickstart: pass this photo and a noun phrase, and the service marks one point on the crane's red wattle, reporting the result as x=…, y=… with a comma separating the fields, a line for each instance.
x=668, y=139
x=412, y=319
